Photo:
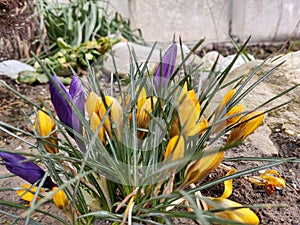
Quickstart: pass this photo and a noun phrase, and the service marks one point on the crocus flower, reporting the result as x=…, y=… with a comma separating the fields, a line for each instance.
x=241, y=215
x=27, y=170
x=166, y=68
x=62, y=107
x=249, y=124
x=32, y=173
x=97, y=112
x=199, y=169
x=45, y=125
x=188, y=114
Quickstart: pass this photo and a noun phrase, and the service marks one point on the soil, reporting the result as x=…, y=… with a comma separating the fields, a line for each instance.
x=13, y=110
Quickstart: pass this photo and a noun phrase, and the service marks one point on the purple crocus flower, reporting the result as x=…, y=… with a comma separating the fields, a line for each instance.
x=166, y=67
x=62, y=107
x=27, y=170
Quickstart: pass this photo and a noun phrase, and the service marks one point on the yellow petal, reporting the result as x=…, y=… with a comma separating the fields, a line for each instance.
x=228, y=184
x=235, y=110
x=226, y=99
x=45, y=126
x=270, y=179
x=242, y=131
x=274, y=178
x=60, y=199
x=94, y=123
x=197, y=170
x=175, y=148
x=142, y=116
x=189, y=112
x=141, y=98
x=243, y=215
x=92, y=103
x=27, y=193
x=116, y=115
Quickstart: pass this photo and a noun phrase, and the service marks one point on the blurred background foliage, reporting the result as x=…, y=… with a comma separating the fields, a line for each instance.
x=63, y=35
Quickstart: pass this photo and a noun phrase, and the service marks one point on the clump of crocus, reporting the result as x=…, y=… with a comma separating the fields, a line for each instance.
x=62, y=104
x=45, y=127
x=166, y=68
x=32, y=173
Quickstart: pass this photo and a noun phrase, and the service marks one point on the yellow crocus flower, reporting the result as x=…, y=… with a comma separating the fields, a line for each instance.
x=242, y=131
x=60, y=199
x=188, y=114
x=199, y=169
x=241, y=215
x=45, y=126
x=270, y=179
x=97, y=111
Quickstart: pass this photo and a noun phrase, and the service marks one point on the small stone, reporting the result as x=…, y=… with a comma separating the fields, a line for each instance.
x=298, y=137
x=277, y=130
x=11, y=68
x=19, y=147
x=290, y=132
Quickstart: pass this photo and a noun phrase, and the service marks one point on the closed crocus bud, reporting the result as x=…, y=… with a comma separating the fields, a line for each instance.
x=116, y=114
x=27, y=170
x=166, y=68
x=241, y=215
x=62, y=107
x=60, y=199
x=45, y=126
x=249, y=124
x=199, y=169
x=97, y=112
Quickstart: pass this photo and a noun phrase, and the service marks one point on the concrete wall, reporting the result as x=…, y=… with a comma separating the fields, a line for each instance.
x=265, y=20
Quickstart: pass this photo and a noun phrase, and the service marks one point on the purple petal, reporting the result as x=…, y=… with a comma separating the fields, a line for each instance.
x=77, y=95
x=62, y=108
x=168, y=63
x=28, y=170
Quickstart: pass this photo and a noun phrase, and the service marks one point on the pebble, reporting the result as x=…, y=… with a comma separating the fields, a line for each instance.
x=277, y=130
x=19, y=147
x=298, y=137
x=290, y=132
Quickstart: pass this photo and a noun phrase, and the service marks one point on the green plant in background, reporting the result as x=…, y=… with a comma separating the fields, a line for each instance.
x=84, y=20
x=142, y=156
x=78, y=32
x=70, y=58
